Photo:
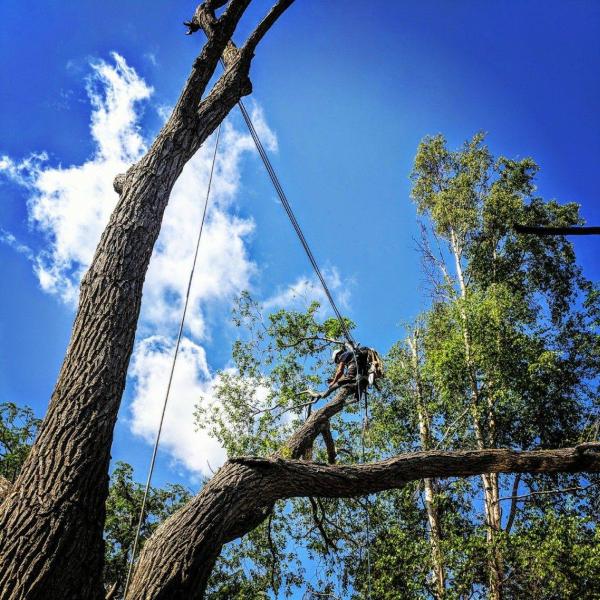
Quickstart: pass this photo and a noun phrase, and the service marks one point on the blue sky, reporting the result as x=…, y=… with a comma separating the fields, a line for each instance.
x=343, y=92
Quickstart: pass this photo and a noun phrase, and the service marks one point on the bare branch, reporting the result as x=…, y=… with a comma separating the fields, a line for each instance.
x=261, y=29
x=218, y=39
x=241, y=492
x=513, y=505
x=569, y=490
x=319, y=524
x=452, y=426
x=314, y=338
x=204, y=18
x=304, y=436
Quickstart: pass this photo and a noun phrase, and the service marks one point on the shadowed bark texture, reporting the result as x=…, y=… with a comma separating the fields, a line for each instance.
x=52, y=521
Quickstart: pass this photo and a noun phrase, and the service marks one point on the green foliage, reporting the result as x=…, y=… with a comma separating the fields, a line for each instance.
x=276, y=360
x=123, y=508
x=507, y=354
x=260, y=402
x=18, y=428
x=554, y=556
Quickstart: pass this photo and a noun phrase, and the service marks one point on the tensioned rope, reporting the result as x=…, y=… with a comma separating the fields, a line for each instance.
x=292, y=217
x=290, y=213
x=175, y=354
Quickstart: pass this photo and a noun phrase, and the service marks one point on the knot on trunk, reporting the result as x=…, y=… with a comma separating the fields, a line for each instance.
x=119, y=182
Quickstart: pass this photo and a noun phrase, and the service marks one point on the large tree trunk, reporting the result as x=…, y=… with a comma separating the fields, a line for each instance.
x=51, y=523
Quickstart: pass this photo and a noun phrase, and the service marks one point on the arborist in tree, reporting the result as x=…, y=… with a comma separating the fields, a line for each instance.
x=354, y=365
x=358, y=364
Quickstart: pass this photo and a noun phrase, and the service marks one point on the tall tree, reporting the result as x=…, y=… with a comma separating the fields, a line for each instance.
x=51, y=524
x=511, y=311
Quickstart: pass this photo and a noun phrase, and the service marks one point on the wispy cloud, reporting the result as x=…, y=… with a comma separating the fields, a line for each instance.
x=10, y=240
x=305, y=290
x=70, y=207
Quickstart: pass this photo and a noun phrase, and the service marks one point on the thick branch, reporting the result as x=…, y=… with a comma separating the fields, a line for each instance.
x=304, y=436
x=177, y=561
x=264, y=26
x=298, y=478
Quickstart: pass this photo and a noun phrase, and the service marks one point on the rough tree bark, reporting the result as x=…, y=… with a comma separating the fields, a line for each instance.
x=51, y=523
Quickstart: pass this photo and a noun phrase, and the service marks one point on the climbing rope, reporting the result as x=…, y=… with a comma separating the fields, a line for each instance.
x=290, y=213
x=292, y=217
x=174, y=361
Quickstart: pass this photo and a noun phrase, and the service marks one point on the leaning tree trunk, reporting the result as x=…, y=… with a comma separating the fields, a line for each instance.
x=51, y=524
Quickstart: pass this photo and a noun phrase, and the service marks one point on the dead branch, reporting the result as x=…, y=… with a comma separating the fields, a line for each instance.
x=569, y=490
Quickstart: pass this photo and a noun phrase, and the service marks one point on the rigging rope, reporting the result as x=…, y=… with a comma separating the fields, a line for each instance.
x=175, y=354
x=293, y=220
x=290, y=213
x=313, y=262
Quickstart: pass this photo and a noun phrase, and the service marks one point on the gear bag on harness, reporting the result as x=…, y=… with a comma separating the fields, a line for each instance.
x=375, y=369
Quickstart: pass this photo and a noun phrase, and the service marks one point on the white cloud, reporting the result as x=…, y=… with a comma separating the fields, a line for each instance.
x=70, y=207
x=150, y=367
x=305, y=290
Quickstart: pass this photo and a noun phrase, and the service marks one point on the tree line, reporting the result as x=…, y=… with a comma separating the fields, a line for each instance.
x=470, y=480
x=505, y=356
